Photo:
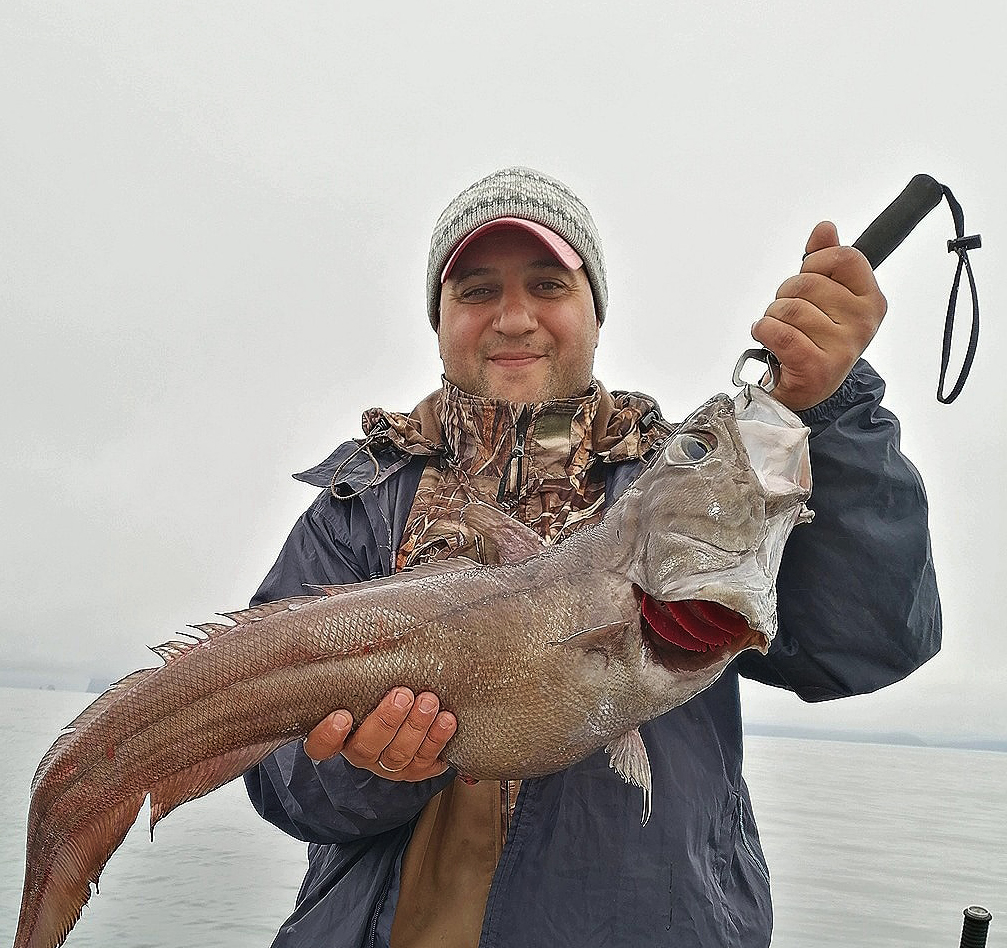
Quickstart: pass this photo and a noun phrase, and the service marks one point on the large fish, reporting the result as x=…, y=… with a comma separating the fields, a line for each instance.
x=576, y=645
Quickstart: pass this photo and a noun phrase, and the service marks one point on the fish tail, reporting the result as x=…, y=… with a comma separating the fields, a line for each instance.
x=62, y=867
x=58, y=883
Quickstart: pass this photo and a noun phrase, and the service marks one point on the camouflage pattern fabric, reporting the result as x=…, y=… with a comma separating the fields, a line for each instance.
x=541, y=463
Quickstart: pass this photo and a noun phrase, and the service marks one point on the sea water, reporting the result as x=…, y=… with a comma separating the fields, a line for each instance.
x=878, y=846
x=868, y=845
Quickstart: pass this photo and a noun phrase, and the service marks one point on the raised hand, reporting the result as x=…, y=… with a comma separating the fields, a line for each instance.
x=821, y=320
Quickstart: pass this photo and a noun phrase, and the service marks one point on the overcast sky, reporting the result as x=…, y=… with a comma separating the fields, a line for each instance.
x=214, y=223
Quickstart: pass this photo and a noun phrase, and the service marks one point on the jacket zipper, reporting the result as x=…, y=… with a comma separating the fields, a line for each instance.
x=505, y=811
x=372, y=928
x=517, y=454
x=759, y=865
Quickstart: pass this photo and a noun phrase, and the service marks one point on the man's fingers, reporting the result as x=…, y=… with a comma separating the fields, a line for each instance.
x=824, y=235
x=327, y=737
x=786, y=331
x=399, y=752
x=821, y=320
x=846, y=266
x=378, y=729
x=826, y=296
x=441, y=731
x=401, y=739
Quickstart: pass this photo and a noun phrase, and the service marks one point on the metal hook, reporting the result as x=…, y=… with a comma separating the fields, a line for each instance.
x=769, y=360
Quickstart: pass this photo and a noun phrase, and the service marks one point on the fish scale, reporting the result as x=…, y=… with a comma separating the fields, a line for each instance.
x=554, y=646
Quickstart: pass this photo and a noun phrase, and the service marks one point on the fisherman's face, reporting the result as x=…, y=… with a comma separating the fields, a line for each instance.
x=516, y=324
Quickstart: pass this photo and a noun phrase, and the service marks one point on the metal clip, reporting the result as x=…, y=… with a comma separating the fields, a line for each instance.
x=772, y=366
x=363, y=447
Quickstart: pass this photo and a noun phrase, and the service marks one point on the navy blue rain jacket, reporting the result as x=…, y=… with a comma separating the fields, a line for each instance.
x=858, y=610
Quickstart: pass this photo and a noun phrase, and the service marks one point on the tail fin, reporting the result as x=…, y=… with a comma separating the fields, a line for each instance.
x=60, y=868
x=58, y=883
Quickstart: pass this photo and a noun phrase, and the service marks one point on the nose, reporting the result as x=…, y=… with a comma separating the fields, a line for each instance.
x=515, y=315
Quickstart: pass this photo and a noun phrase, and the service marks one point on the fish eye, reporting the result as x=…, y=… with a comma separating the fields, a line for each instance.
x=688, y=447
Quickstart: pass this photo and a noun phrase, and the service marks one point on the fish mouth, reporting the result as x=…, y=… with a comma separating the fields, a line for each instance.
x=694, y=631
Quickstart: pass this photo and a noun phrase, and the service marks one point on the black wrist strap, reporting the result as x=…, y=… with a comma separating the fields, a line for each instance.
x=894, y=224
x=961, y=245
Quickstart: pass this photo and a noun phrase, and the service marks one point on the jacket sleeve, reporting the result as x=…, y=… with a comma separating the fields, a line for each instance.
x=858, y=603
x=331, y=801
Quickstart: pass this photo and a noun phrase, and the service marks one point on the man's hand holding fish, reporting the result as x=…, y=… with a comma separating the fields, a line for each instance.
x=401, y=739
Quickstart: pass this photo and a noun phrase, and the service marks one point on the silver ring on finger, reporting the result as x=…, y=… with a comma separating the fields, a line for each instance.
x=389, y=770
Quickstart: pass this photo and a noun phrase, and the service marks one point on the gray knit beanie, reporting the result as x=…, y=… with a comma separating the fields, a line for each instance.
x=530, y=195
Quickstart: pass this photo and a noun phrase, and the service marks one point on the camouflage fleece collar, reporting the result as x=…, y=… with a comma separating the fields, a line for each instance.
x=479, y=434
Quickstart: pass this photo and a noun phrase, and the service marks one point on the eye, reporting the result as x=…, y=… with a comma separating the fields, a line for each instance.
x=475, y=293
x=688, y=447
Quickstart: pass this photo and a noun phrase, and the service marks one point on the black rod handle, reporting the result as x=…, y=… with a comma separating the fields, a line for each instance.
x=895, y=222
x=975, y=927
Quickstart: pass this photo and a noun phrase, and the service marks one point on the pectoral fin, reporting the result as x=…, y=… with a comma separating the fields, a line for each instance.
x=599, y=639
x=627, y=756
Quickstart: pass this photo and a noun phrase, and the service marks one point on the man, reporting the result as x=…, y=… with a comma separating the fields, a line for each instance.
x=401, y=852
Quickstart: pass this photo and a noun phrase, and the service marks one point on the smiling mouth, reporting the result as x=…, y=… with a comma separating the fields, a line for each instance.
x=517, y=356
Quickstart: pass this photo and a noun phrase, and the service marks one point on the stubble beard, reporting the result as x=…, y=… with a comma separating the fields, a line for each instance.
x=562, y=380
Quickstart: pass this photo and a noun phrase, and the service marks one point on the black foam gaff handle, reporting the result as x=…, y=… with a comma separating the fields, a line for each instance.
x=896, y=222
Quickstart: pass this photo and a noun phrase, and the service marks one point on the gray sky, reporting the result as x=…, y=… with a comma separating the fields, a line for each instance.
x=214, y=223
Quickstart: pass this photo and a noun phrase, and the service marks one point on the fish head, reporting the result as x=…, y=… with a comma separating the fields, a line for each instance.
x=715, y=508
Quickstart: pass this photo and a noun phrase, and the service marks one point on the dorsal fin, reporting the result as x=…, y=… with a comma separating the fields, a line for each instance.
x=209, y=629
x=265, y=609
x=454, y=564
x=166, y=651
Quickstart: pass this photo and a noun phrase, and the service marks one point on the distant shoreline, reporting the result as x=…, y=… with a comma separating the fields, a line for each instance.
x=897, y=738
